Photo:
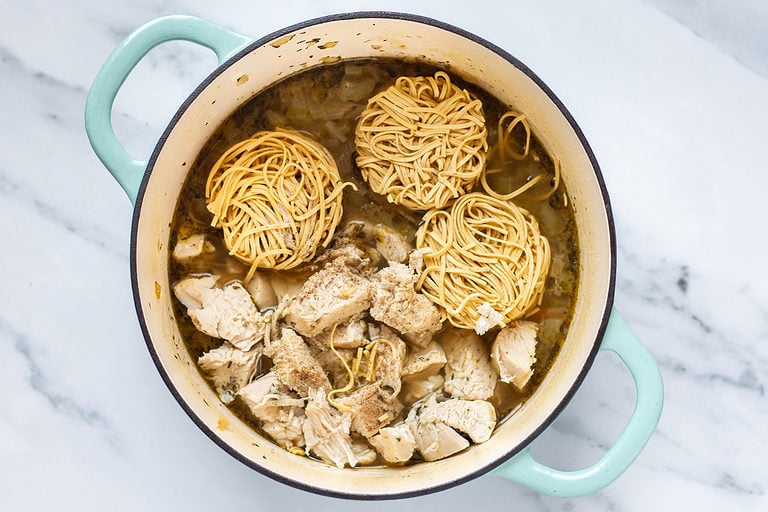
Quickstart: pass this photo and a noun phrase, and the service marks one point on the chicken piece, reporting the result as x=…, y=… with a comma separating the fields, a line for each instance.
x=392, y=245
x=437, y=440
x=433, y=438
x=359, y=235
x=285, y=285
x=395, y=444
x=192, y=290
x=397, y=304
x=421, y=339
x=514, y=353
x=364, y=454
x=351, y=250
x=389, y=359
x=468, y=372
x=192, y=247
x=334, y=368
x=476, y=418
x=350, y=335
x=414, y=390
x=331, y=296
x=421, y=363
x=229, y=368
x=266, y=395
x=326, y=431
x=227, y=313
x=294, y=365
x=281, y=414
x=489, y=318
x=262, y=293
x=371, y=409
x=389, y=245
x=288, y=429
x=416, y=259
x=257, y=391
x=355, y=232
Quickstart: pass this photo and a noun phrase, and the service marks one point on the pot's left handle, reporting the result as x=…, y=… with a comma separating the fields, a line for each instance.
x=127, y=170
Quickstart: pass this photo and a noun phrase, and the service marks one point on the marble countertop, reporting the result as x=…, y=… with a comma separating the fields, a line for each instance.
x=677, y=121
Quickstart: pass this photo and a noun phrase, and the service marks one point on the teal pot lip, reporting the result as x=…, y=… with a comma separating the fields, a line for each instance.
x=556, y=101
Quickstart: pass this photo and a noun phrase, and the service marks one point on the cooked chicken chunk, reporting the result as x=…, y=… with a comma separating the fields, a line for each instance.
x=392, y=245
x=229, y=368
x=285, y=285
x=288, y=429
x=326, y=431
x=389, y=357
x=227, y=312
x=421, y=363
x=350, y=335
x=397, y=304
x=192, y=247
x=331, y=363
x=262, y=293
x=281, y=413
x=192, y=290
x=257, y=392
x=364, y=454
x=351, y=250
x=437, y=440
x=468, y=372
x=489, y=318
x=416, y=389
x=514, y=353
x=294, y=365
x=364, y=235
x=476, y=418
x=396, y=443
x=416, y=260
x=331, y=296
x=266, y=395
x=425, y=430
x=371, y=409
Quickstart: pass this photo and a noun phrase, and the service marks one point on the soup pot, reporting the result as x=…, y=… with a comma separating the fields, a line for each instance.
x=247, y=66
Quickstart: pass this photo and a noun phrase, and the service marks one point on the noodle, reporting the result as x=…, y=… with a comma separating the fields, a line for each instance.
x=370, y=351
x=482, y=250
x=505, y=150
x=350, y=374
x=277, y=197
x=422, y=142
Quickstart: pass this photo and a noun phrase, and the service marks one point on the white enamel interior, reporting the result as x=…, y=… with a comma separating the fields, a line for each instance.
x=365, y=37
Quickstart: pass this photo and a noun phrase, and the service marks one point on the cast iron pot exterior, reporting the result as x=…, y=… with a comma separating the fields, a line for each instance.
x=246, y=68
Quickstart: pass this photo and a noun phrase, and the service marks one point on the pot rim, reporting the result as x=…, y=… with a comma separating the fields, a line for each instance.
x=502, y=458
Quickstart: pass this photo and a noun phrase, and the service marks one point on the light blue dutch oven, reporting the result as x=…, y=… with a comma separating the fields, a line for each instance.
x=246, y=67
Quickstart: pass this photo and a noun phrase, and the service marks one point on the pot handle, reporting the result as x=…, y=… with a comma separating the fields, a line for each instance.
x=127, y=170
x=524, y=469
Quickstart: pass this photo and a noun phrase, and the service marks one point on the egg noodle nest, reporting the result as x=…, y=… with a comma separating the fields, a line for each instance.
x=277, y=198
x=422, y=142
x=483, y=250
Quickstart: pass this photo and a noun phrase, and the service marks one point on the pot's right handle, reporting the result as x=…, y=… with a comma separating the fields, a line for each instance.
x=98, y=107
x=619, y=339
